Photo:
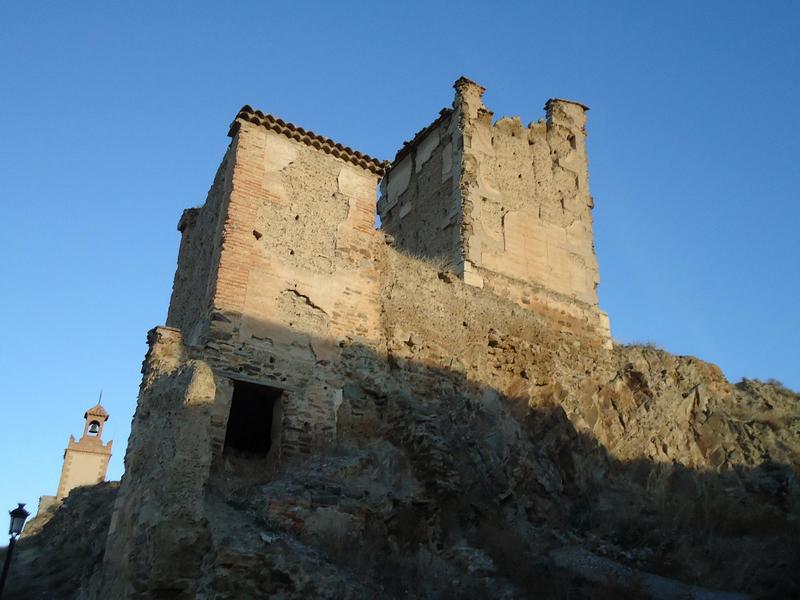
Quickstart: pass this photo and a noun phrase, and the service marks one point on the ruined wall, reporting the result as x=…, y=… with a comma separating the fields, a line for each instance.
x=527, y=227
x=287, y=240
x=283, y=281
x=488, y=340
x=157, y=534
x=526, y=197
x=195, y=277
x=419, y=205
x=511, y=211
x=296, y=275
x=310, y=250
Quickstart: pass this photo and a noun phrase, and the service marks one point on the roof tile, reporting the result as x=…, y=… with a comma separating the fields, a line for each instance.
x=327, y=145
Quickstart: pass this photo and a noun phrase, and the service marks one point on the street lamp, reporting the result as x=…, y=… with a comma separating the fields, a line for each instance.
x=18, y=516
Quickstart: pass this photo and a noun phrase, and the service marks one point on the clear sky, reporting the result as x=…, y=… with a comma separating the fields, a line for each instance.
x=113, y=119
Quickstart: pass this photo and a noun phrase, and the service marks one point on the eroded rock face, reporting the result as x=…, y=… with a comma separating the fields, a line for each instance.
x=438, y=487
x=57, y=556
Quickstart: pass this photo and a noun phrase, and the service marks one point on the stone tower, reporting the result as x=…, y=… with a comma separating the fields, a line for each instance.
x=275, y=270
x=285, y=292
x=86, y=460
x=506, y=206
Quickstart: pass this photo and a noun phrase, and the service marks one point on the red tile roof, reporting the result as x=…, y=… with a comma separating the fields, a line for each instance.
x=309, y=138
x=97, y=410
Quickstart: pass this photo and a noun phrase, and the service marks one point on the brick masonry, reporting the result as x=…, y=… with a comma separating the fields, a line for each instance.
x=283, y=280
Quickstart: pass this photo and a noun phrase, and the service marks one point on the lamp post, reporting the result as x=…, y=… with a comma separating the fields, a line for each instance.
x=18, y=516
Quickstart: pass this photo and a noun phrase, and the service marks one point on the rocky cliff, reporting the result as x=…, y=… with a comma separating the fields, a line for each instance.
x=641, y=474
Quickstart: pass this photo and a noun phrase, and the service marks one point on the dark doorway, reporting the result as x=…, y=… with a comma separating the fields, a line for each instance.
x=255, y=410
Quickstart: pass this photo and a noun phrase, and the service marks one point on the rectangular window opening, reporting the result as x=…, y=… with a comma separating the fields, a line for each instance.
x=254, y=418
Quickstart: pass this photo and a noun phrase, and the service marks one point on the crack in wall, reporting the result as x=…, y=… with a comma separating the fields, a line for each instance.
x=305, y=299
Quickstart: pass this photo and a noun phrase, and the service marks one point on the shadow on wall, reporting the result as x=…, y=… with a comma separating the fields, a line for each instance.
x=434, y=485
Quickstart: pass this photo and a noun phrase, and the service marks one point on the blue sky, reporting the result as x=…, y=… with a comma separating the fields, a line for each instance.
x=113, y=118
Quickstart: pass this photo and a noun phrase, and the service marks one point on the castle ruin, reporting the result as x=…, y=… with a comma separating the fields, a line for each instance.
x=507, y=207
x=285, y=293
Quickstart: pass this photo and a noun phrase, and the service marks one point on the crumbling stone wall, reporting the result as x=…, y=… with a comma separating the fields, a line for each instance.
x=507, y=207
x=159, y=510
x=276, y=270
x=487, y=340
x=283, y=281
x=419, y=204
x=296, y=275
x=281, y=254
x=527, y=202
x=198, y=257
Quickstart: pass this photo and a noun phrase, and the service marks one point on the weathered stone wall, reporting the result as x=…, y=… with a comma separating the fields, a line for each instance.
x=526, y=197
x=507, y=207
x=157, y=534
x=284, y=281
x=488, y=340
x=312, y=220
x=198, y=257
x=527, y=209
x=297, y=275
x=419, y=205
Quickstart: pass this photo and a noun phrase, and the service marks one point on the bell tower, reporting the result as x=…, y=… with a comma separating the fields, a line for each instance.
x=86, y=460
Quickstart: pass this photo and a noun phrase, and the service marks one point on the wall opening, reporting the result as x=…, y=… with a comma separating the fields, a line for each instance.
x=254, y=418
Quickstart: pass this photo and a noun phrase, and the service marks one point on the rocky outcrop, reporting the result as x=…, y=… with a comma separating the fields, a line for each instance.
x=61, y=551
x=653, y=467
